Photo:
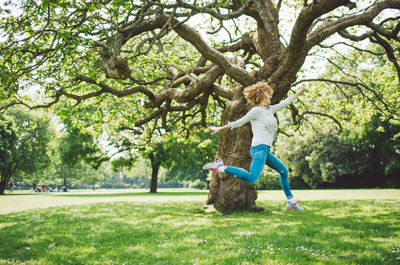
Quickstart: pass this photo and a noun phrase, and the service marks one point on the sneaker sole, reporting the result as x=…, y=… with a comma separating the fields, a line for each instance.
x=291, y=208
x=206, y=166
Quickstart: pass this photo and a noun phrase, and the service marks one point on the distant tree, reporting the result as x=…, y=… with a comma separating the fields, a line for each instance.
x=24, y=145
x=156, y=156
x=155, y=152
x=75, y=149
x=181, y=157
x=188, y=156
x=379, y=143
x=7, y=149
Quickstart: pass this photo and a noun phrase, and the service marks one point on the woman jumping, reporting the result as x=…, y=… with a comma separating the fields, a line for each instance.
x=264, y=126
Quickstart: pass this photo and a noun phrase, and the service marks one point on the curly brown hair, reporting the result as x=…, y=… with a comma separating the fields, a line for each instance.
x=255, y=94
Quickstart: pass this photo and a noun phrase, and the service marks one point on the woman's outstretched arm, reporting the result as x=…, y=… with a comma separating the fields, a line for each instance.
x=217, y=129
x=234, y=124
x=299, y=91
x=289, y=100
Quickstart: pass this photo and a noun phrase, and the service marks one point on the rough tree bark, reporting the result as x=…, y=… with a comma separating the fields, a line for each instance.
x=226, y=191
x=155, y=166
x=3, y=185
x=154, y=178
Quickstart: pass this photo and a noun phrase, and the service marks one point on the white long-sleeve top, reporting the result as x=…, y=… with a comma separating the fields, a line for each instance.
x=263, y=122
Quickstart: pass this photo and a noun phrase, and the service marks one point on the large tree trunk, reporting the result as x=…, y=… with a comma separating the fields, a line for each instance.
x=5, y=176
x=154, y=178
x=227, y=191
x=3, y=184
x=155, y=167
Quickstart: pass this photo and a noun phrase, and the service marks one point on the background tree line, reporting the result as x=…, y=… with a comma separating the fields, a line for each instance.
x=40, y=148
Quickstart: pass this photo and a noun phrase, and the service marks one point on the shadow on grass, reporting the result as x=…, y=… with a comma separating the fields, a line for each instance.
x=350, y=232
x=135, y=194
x=117, y=194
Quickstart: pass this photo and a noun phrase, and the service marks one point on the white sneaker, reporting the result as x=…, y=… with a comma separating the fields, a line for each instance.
x=294, y=206
x=213, y=166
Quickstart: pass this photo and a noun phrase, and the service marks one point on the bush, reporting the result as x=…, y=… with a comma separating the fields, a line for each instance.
x=269, y=180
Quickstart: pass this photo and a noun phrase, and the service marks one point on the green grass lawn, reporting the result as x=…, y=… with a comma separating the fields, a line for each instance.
x=179, y=232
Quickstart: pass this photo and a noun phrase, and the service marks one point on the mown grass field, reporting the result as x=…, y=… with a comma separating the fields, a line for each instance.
x=172, y=228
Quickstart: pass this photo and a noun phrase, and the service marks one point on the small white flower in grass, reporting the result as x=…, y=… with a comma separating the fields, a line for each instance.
x=396, y=250
x=244, y=233
x=53, y=245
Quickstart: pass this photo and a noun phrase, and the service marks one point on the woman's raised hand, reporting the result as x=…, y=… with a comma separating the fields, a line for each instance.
x=214, y=129
x=217, y=129
x=299, y=91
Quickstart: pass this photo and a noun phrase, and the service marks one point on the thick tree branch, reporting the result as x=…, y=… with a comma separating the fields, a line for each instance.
x=210, y=9
x=248, y=42
x=107, y=89
x=104, y=89
x=345, y=34
x=185, y=76
x=192, y=36
x=223, y=91
x=197, y=86
x=297, y=49
x=328, y=29
x=389, y=51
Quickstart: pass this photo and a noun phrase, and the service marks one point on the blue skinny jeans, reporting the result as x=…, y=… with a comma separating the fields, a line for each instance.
x=261, y=157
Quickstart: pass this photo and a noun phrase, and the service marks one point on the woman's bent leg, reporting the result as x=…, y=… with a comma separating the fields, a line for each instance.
x=276, y=164
x=259, y=155
x=240, y=173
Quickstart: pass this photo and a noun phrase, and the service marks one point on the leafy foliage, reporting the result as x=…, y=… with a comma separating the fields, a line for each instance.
x=25, y=145
x=181, y=157
x=187, y=157
x=356, y=143
x=7, y=149
x=77, y=146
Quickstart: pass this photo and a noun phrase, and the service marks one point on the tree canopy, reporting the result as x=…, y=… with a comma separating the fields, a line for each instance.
x=24, y=145
x=82, y=50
